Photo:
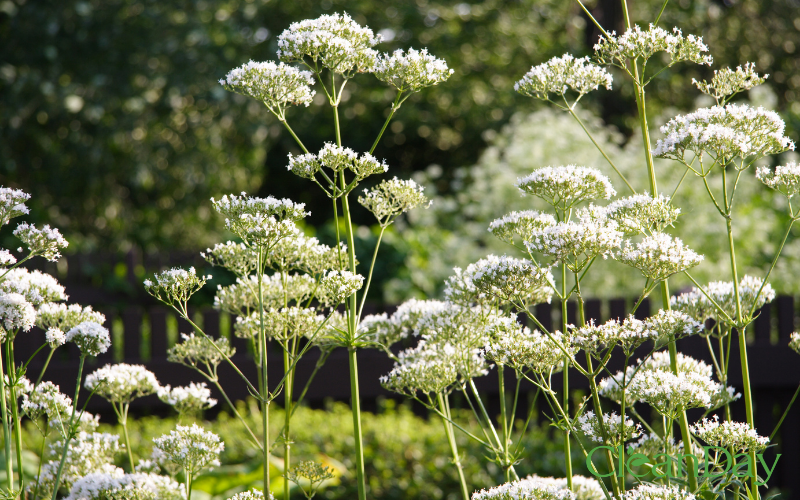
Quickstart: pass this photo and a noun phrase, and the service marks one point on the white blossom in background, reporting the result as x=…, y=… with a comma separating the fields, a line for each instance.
x=336, y=41
x=643, y=44
x=253, y=494
x=727, y=82
x=46, y=400
x=336, y=286
x=189, y=399
x=7, y=258
x=338, y=158
x=65, y=317
x=585, y=488
x=784, y=179
x=669, y=394
x=427, y=368
x=259, y=222
x=242, y=296
x=659, y=256
x=724, y=132
x=737, y=435
x=514, y=345
x=235, y=257
x=560, y=74
x=55, y=337
x=37, y=287
x=299, y=252
x=16, y=314
x=658, y=492
x=566, y=186
x=305, y=165
x=697, y=305
x=46, y=241
x=576, y=243
x=118, y=485
x=670, y=324
x=411, y=71
x=281, y=324
x=198, y=351
x=642, y=214
x=175, y=286
x=87, y=452
x=617, y=432
x=521, y=224
x=276, y=85
x=91, y=338
x=12, y=204
x=628, y=334
x=191, y=448
x=794, y=343
x=122, y=383
x=391, y=198
x=86, y=422
x=531, y=488
x=388, y=330
x=511, y=279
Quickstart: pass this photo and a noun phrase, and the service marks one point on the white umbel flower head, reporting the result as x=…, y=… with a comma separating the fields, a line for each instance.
x=637, y=43
x=122, y=383
x=520, y=224
x=196, y=351
x=46, y=241
x=116, y=484
x=426, y=368
x=336, y=41
x=512, y=279
x=785, y=179
x=727, y=82
x=566, y=186
x=7, y=258
x=191, y=448
x=391, y=198
x=724, y=132
x=16, y=314
x=55, y=337
x=12, y=204
x=251, y=495
x=698, y=306
x=338, y=285
x=531, y=488
x=46, y=399
x=585, y=488
x=560, y=74
x=65, y=317
x=388, y=330
x=642, y=214
x=259, y=222
x=516, y=346
x=628, y=334
x=276, y=85
x=671, y=324
x=91, y=338
x=188, y=400
x=617, y=432
x=36, y=286
x=575, y=243
x=175, y=286
x=412, y=71
x=235, y=257
x=737, y=435
x=794, y=342
x=659, y=256
x=658, y=492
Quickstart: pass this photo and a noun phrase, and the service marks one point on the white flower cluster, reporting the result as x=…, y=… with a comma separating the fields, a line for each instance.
x=198, y=351
x=642, y=214
x=785, y=178
x=259, y=222
x=427, y=368
x=281, y=324
x=12, y=204
x=724, y=132
x=55, y=337
x=530, y=488
x=412, y=71
x=122, y=383
x=698, y=306
x=559, y=74
x=253, y=494
x=90, y=337
x=242, y=296
x=37, y=287
x=175, y=285
x=7, y=258
x=46, y=241
x=235, y=257
x=391, y=198
x=86, y=422
x=617, y=432
x=190, y=447
x=637, y=43
x=299, y=252
x=337, y=159
x=516, y=346
x=187, y=400
x=727, y=82
x=566, y=186
x=65, y=317
x=276, y=85
x=338, y=285
x=737, y=435
x=16, y=314
x=115, y=484
x=511, y=279
x=387, y=330
x=585, y=488
x=46, y=399
x=659, y=256
x=87, y=452
x=338, y=42
x=628, y=334
x=521, y=224
x=575, y=243
x=794, y=342
x=657, y=492
x=673, y=324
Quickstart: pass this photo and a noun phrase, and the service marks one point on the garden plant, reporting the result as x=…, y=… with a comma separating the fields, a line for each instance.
x=294, y=294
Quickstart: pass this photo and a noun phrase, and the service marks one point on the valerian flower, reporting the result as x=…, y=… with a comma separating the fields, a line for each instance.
x=87, y=452
x=391, y=198
x=511, y=279
x=659, y=256
x=628, y=334
x=725, y=133
x=531, y=488
x=387, y=330
x=412, y=71
x=751, y=294
x=91, y=338
x=7, y=258
x=575, y=243
x=426, y=368
x=794, y=343
x=784, y=179
x=122, y=383
x=636, y=43
x=520, y=224
x=671, y=324
x=115, y=484
x=46, y=400
x=336, y=286
x=658, y=492
x=309, y=476
x=65, y=317
x=191, y=448
x=616, y=432
x=187, y=400
x=303, y=253
x=516, y=346
x=242, y=297
x=276, y=85
x=16, y=314
x=281, y=324
x=566, y=186
x=642, y=214
x=175, y=286
x=251, y=495
x=337, y=159
x=196, y=352
x=237, y=258
x=560, y=74
x=37, y=287
x=585, y=488
x=727, y=82
x=46, y=241
x=12, y=204
x=336, y=41
x=737, y=435
x=259, y=222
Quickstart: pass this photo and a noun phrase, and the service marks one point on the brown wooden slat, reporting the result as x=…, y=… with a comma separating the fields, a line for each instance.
x=785, y=308
x=643, y=311
x=158, y=332
x=617, y=309
x=132, y=334
x=544, y=314
x=592, y=309
x=211, y=322
x=762, y=326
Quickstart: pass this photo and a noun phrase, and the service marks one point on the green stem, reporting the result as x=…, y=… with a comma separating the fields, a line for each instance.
x=238, y=415
x=262, y=336
x=598, y=411
x=356, y=406
x=46, y=363
x=369, y=276
x=565, y=377
x=15, y=414
x=386, y=123
x=189, y=484
x=287, y=417
x=444, y=407
x=70, y=429
x=124, y=423
x=39, y=469
x=504, y=418
x=6, y=429
x=785, y=412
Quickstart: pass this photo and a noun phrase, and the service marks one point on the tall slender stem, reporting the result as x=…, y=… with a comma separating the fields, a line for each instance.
x=444, y=407
x=15, y=413
x=46, y=363
x=369, y=276
x=356, y=405
x=565, y=376
x=504, y=423
x=287, y=417
x=262, y=337
x=6, y=428
x=386, y=123
x=70, y=429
